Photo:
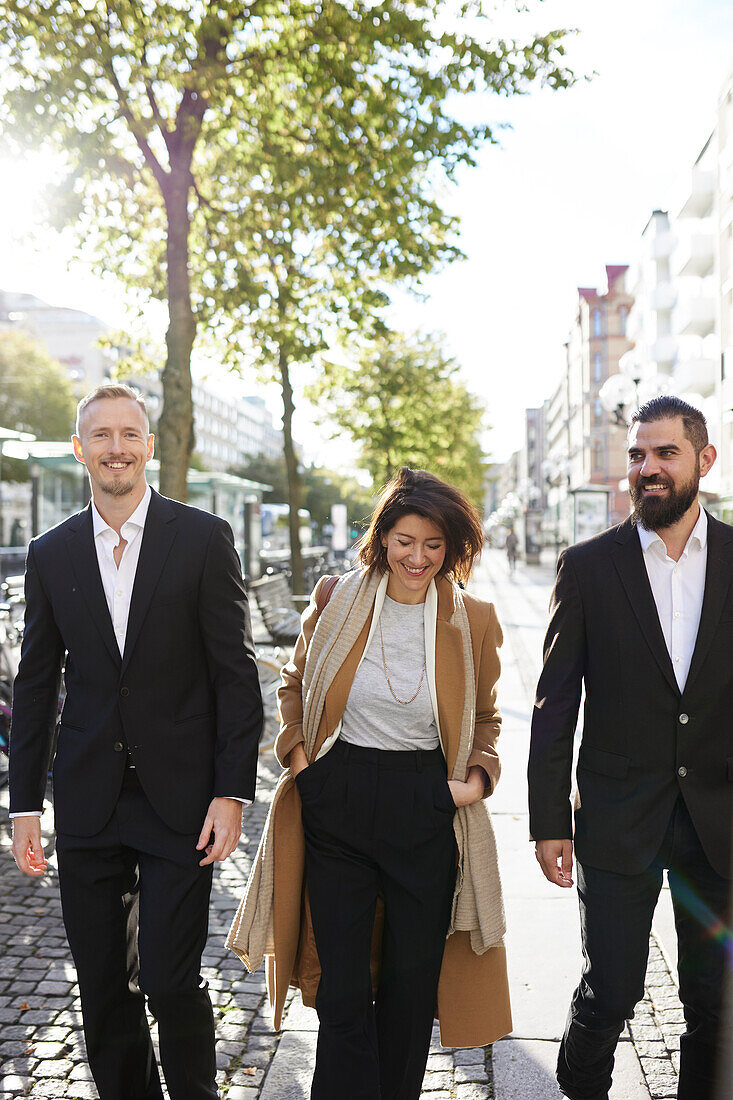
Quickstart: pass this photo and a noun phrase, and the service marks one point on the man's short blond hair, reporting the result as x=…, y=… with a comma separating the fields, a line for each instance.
x=111, y=391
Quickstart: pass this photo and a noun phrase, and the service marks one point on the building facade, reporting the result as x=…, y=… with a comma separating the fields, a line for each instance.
x=230, y=424
x=585, y=455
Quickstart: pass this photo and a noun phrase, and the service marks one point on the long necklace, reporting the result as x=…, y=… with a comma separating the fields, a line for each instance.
x=403, y=702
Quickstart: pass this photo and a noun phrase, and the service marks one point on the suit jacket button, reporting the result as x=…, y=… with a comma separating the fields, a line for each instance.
x=124, y=692
x=118, y=746
x=684, y=719
x=682, y=771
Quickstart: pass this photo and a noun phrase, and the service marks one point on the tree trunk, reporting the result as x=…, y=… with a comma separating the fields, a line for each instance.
x=291, y=465
x=175, y=426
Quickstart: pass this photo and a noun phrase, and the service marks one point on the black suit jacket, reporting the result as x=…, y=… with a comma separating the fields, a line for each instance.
x=184, y=697
x=643, y=741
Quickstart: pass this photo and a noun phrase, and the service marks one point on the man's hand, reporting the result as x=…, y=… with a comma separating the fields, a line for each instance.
x=27, y=846
x=470, y=791
x=224, y=820
x=555, y=857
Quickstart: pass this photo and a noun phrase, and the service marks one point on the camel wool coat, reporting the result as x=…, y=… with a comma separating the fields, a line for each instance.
x=473, y=993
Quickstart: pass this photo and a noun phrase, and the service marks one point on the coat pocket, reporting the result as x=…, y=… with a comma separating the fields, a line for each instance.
x=602, y=762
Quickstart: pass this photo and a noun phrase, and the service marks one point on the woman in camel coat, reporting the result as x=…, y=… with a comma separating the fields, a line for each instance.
x=379, y=841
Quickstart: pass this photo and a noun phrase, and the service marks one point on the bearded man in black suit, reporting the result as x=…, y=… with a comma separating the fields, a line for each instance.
x=642, y=618
x=141, y=599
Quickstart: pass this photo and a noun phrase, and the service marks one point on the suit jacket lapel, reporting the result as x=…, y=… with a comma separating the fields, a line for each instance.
x=628, y=558
x=85, y=566
x=718, y=574
x=158, y=536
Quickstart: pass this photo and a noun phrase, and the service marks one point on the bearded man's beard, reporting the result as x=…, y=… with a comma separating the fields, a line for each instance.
x=117, y=488
x=656, y=512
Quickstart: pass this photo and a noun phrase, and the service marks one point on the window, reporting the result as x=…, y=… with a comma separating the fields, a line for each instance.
x=597, y=322
x=597, y=367
x=623, y=314
x=597, y=457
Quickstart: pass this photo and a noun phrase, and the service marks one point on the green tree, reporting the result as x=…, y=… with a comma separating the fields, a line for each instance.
x=35, y=394
x=324, y=488
x=265, y=164
x=321, y=488
x=268, y=471
x=403, y=404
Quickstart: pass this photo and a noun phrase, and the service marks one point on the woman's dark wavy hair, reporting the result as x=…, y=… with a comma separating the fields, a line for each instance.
x=416, y=492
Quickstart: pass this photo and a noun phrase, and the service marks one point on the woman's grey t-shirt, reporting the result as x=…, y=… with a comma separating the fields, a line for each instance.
x=373, y=717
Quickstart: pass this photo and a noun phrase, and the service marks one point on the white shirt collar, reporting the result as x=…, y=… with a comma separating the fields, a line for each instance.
x=699, y=533
x=137, y=519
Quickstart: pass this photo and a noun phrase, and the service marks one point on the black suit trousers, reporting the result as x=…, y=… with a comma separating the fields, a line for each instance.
x=135, y=905
x=377, y=821
x=615, y=916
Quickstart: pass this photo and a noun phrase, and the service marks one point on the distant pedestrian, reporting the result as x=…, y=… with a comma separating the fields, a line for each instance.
x=642, y=617
x=511, y=546
x=389, y=726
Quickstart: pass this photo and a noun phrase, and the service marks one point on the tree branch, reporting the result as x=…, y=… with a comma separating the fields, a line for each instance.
x=136, y=129
x=203, y=201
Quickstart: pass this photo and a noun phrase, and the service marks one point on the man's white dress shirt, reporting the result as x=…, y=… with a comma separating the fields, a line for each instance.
x=118, y=581
x=678, y=588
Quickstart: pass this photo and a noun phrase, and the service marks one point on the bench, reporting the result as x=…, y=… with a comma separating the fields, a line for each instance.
x=275, y=604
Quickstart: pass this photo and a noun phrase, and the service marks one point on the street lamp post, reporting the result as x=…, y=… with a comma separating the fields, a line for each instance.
x=621, y=394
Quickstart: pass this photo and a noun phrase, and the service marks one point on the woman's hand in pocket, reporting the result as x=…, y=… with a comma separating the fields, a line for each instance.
x=297, y=760
x=470, y=791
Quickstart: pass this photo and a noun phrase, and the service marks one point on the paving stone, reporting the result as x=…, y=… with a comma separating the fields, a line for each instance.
x=241, y=1076
x=81, y=1072
x=440, y=1080
x=646, y=1048
x=22, y=1066
x=47, y=1050
x=48, y=1090
x=11, y=1082
x=440, y=1061
x=81, y=1090
x=56, y=1067
x=470, y=1056
x=14, y=1048
x=472, y=1092
x=475, y=1073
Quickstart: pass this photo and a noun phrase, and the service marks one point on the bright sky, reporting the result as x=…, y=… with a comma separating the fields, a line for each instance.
x=569, y=190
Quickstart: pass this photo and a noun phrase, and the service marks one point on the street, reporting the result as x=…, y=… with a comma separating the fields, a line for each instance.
x=41, y=1046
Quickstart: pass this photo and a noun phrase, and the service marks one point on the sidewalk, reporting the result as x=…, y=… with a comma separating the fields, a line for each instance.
x=41, y=1046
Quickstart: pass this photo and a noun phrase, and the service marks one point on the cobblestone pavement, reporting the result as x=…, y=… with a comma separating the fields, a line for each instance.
x=42, y=1051
x=655, y=1029
x=41, y=1045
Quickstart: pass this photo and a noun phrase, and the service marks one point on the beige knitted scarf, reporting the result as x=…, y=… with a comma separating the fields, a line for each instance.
x=477, y=903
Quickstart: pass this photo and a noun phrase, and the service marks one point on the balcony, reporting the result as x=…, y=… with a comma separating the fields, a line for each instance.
x=664, y=352
x=697, y=375
x=699, y=202
x=695, y=316
x=663, y=297
x=662, y=245
x=695, y=255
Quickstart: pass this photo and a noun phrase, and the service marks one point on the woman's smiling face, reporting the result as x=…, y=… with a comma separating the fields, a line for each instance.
x=415, y=554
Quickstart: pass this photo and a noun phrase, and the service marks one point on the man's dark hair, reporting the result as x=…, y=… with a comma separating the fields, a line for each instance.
x=668, y=407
